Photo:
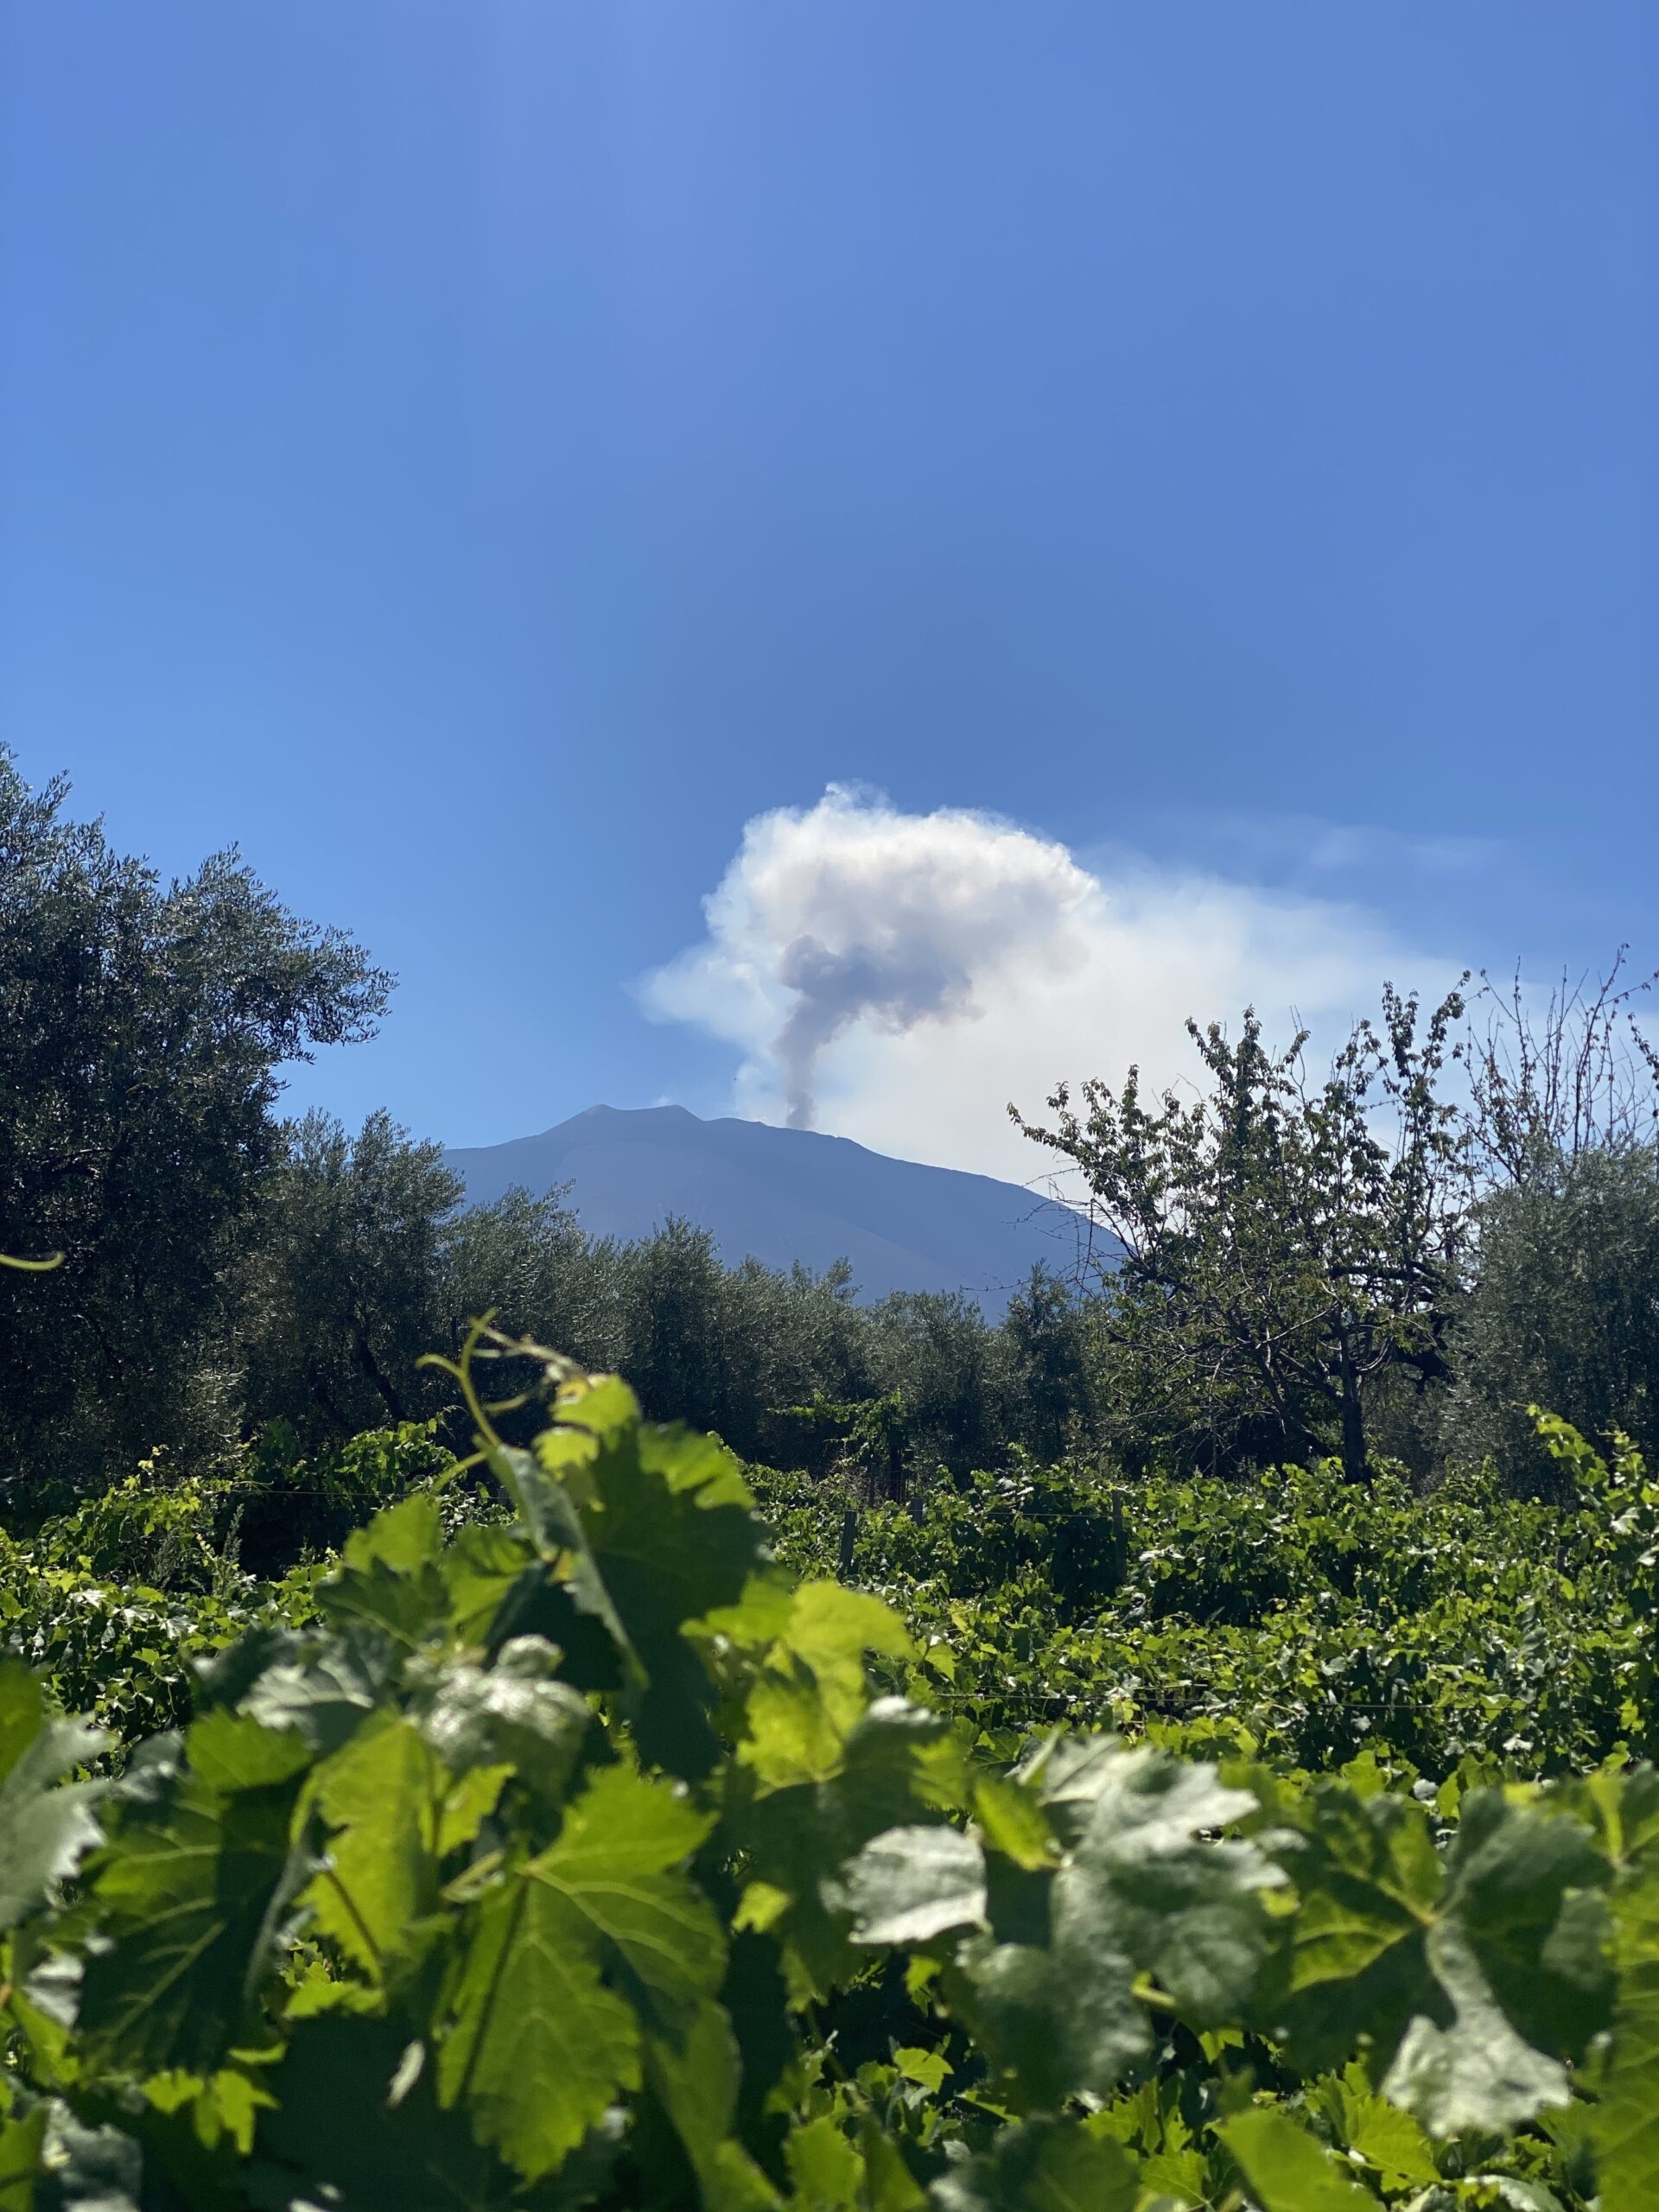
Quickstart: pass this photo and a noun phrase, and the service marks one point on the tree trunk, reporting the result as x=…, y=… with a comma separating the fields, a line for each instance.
x=1353, y=1422
x=370, y=1366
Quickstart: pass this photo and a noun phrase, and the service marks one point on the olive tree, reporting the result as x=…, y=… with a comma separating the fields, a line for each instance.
x=143, y=1025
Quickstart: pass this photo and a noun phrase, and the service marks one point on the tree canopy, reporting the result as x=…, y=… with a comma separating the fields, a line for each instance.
x=143, y=1025
x=1278, y=1248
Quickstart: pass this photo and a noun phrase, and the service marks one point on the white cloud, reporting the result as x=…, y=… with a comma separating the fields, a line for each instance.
x=898, y=977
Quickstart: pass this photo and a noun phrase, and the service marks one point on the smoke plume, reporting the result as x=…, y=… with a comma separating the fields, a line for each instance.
x=902, y=975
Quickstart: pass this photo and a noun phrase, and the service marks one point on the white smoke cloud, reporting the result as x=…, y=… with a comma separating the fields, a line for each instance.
x=898, y=977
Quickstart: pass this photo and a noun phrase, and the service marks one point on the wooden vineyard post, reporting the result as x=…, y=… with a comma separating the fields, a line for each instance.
x=849, y=1537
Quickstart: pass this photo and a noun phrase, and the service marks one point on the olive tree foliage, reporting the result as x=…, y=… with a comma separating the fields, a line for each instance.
x=1562, y=1312
x=344, y=1287
x=143, y=1023
x=1048, y=1374
x=729, y=1348
x=524, y=1259
x=936, y=1350
x=366, y=1260
x=1286, y=1239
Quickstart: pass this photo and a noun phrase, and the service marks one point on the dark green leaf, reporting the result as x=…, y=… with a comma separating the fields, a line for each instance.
x=357, y=2117
x=537, y=2047
x=188, y=1895
x=1046, y=2165
x=1288, y=2170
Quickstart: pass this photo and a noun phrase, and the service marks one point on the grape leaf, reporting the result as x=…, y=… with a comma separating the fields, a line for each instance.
x=671, y=1533
x=697, y=2080
x=513, y=1713
x=44, y=1830
x=325, y=1690
x=380, y=1879
x=612, y=1868
x=811, y=1694
x=1478, y=2072
x=1183, y=1907
x=898, y=1767
x=1288, y=2170
x=484, y=1569
x=565, y=1958
x=825, y=2168
x=357, y=2126
x=1046, y=2165
x=1063, y=2018
x=655, y=1529
x=190, y=1893
x=1369, y=1884
x=389, y=1577
x=1144, y=1890
x=1624, y=2122
x=911, y=1883
x=1012, y=1822
x=1526, y=1889
x=1385, y=2137
x=537, y=2047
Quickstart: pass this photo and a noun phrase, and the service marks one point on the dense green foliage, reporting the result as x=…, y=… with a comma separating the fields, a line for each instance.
x=141, y=1028
x=553, y=1849
x=1294, y=1617
x=1565, y=1309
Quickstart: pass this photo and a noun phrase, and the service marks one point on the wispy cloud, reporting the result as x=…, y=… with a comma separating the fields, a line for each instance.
x=898, y=977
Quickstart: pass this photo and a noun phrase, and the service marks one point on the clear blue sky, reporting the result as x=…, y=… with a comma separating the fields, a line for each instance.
x=477, y=457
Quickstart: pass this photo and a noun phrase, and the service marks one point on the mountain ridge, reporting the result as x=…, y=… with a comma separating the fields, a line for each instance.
x=781, y=1195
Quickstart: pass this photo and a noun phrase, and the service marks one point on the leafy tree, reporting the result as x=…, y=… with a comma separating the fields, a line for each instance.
x=672, y=1297
x=938, y=1351
x=1046, y=1348
x=345, y=1289
x=1278, y=1253
x=526, y=1260
x=141, y=1027
x=788, y=1335
x=1563, y=1311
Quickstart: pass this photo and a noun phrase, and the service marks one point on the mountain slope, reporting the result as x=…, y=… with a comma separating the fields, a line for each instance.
x=783, y=1195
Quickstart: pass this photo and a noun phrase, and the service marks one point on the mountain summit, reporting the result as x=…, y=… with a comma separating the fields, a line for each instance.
x=783, y=1195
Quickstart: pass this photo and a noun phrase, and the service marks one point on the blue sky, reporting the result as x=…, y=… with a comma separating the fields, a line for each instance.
x=479, y=457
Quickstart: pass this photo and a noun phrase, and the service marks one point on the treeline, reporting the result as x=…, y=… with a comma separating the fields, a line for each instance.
x=1386, y=1261
x=369, y=1259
